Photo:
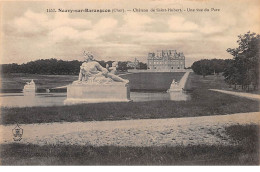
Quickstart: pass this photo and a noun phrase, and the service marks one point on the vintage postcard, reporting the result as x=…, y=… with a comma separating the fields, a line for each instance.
x=109, y=82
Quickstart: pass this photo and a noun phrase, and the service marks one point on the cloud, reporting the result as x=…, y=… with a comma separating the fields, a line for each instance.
x=63, y=19
x=63, y=33
x=35, y=23
x=102, y=27
x=164, y=37
x=105, y=25
x=37, y=17
x=177, y=23
x=62, y=27
x=135, y=22
x=128, y=34
x=30, y=23
x=212, y=29
x=216, y=25
x=23, y=25
x=68, y=33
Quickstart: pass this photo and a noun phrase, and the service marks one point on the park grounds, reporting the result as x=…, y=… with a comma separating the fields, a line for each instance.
x=238, y=145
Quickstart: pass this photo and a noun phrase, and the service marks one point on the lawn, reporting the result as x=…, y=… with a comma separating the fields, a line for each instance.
x=202, y=103
x=159, y=81
x=138, y=81
x=245, y=152
x=11, y=82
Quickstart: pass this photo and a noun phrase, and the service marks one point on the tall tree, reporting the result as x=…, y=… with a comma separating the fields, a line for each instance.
x=246, y=61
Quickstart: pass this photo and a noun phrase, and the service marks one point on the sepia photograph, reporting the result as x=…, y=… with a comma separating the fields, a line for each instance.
x=129, y=83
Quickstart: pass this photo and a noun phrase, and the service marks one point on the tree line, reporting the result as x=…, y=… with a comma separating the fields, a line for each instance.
x=56, y=67
x=46, y=66
x=208, y=67
x=242, y=70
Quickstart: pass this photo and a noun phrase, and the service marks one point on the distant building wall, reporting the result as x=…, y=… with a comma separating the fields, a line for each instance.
x=142, y=70
x=166, y=60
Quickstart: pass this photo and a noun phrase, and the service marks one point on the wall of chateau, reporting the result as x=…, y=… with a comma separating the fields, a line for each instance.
x=166, y=60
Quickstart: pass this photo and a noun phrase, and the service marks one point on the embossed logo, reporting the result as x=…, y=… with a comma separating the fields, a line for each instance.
x=17, y=133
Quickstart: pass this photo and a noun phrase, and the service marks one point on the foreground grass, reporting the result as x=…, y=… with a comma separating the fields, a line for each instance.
x=203, y=103
x=245, y=152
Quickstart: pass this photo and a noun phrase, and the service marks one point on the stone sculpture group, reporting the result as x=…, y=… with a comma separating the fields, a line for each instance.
x=92, y=72
x=97, y=84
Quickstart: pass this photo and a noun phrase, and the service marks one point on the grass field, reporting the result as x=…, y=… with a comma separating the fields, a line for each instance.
x=245, y=152
x=202, y=103
x=17, y=81
x=159, y=81
x=138, y=81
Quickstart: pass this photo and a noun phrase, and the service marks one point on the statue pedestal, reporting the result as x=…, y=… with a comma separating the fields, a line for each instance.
x=97, y=93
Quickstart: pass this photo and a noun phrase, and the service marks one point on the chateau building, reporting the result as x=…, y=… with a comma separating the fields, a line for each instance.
x=165, y=60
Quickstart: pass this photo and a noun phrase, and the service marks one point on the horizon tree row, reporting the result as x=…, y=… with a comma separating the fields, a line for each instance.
x=56, y=67
x=210, y=66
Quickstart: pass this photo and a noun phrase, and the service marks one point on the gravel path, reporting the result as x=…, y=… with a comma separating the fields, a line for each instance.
x=144, y=132
x=246, y=95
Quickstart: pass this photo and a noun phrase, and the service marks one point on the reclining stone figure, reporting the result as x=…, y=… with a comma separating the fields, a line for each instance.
x=92, y=72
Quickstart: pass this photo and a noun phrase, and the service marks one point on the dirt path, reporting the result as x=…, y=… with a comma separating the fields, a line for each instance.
x=246, y=95
x=145, y=132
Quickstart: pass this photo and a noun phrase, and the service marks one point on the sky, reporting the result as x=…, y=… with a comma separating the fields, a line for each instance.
x=29, y=33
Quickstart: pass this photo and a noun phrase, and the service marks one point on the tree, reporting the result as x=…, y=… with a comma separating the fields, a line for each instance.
x=208, y=67
x=202, y=67
x=47, y=66
x=142, y=65
x=231, y=74
x=122, y=66
x=245, y=67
